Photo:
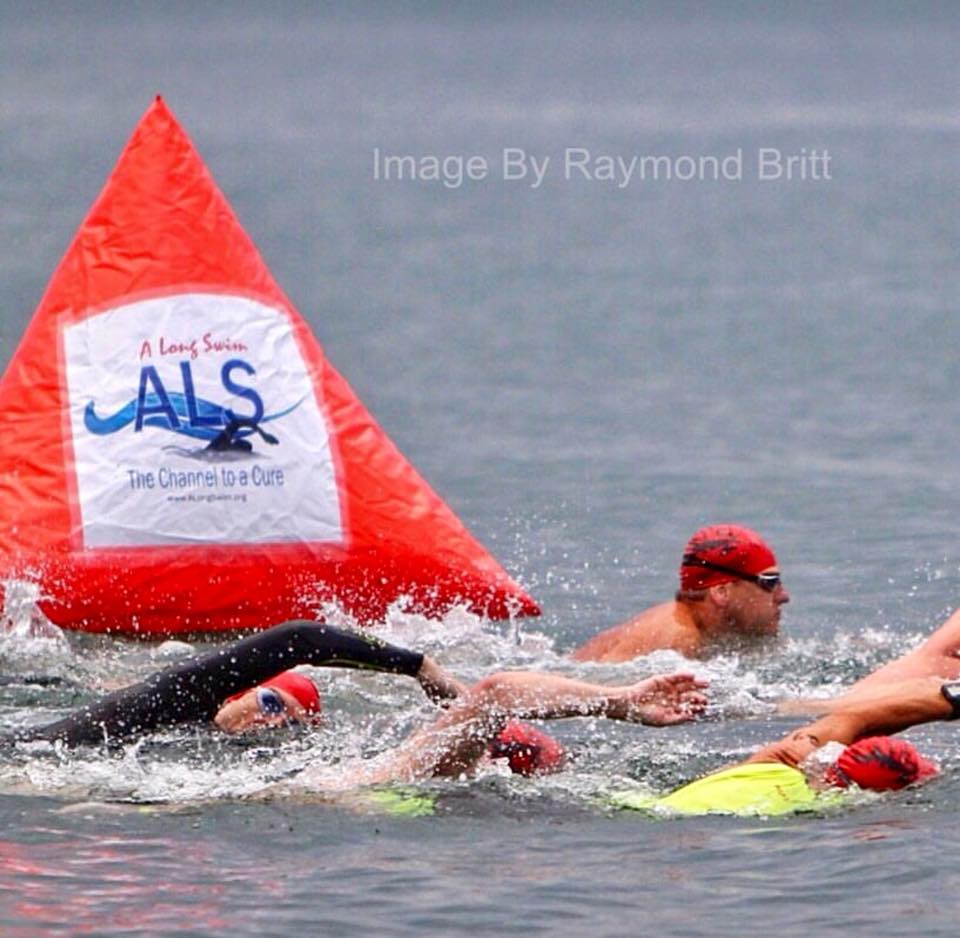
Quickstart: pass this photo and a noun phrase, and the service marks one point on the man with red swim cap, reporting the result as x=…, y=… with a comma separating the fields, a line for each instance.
x=730, y=593
x=800, y=772
x=872, y=758
x=918, y=687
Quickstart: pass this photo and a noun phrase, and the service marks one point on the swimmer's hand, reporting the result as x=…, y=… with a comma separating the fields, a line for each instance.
x=439, y=685
x=661, y=700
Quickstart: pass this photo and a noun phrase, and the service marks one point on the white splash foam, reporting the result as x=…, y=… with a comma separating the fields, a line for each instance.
x=27, y=637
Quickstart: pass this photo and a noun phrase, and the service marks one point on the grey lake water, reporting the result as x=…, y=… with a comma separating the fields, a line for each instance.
x=587, y=370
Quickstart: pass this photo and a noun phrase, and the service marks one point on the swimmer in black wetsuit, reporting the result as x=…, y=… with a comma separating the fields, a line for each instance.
x=198, y=689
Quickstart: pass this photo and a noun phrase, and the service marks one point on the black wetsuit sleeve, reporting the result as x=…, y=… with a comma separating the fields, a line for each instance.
x=194, y=690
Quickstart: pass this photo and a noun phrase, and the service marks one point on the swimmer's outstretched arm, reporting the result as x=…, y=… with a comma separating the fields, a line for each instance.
x=193, y=690
x=660, y=700
x=938, y=656
x=868, y=695
x=456, y=740
x=886, y=710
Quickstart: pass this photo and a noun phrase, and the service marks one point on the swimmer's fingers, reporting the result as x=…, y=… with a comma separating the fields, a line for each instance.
x=665, y=699
x=670, y=713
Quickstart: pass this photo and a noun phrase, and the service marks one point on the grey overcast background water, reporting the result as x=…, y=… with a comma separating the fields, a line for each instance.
x=586, y=374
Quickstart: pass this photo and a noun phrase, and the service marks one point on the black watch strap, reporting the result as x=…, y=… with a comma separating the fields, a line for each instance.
x=951, y=693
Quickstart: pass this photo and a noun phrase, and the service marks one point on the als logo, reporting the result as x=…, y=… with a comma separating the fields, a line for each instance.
x=165, y=394
x=184, y=413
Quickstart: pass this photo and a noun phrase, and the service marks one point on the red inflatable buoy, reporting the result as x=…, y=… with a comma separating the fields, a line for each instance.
x=178, y=454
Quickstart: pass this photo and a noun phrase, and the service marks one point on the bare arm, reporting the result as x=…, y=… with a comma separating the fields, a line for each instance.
x=657, y=701
x=938, y=656
x=868, y=696
x=886, y=710
x=456, y=740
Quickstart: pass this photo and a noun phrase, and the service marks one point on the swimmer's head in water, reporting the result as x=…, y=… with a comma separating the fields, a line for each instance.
x=880, y=763
x=528, y=750
x=724, y=553
x=288, y=696
x=298, y=686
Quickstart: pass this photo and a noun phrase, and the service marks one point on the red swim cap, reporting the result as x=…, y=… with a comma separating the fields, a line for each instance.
x=298, y=686
x=881, y=763
x=528, y=750
x=726, y=545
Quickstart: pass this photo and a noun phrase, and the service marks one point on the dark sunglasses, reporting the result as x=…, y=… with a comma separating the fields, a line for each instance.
x=766, y=581
x=270, y=702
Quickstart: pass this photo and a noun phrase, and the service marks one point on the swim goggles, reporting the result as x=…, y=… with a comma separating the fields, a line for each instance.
x=766, y=581
x=269, y=702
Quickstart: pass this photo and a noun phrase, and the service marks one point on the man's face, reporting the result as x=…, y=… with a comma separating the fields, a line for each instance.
x=754, y=610
x=259, y=707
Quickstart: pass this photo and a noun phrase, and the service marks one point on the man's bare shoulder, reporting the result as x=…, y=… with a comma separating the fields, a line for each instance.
x=663, y=626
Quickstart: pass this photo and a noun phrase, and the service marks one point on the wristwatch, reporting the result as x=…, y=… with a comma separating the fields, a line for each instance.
x=951, y=693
